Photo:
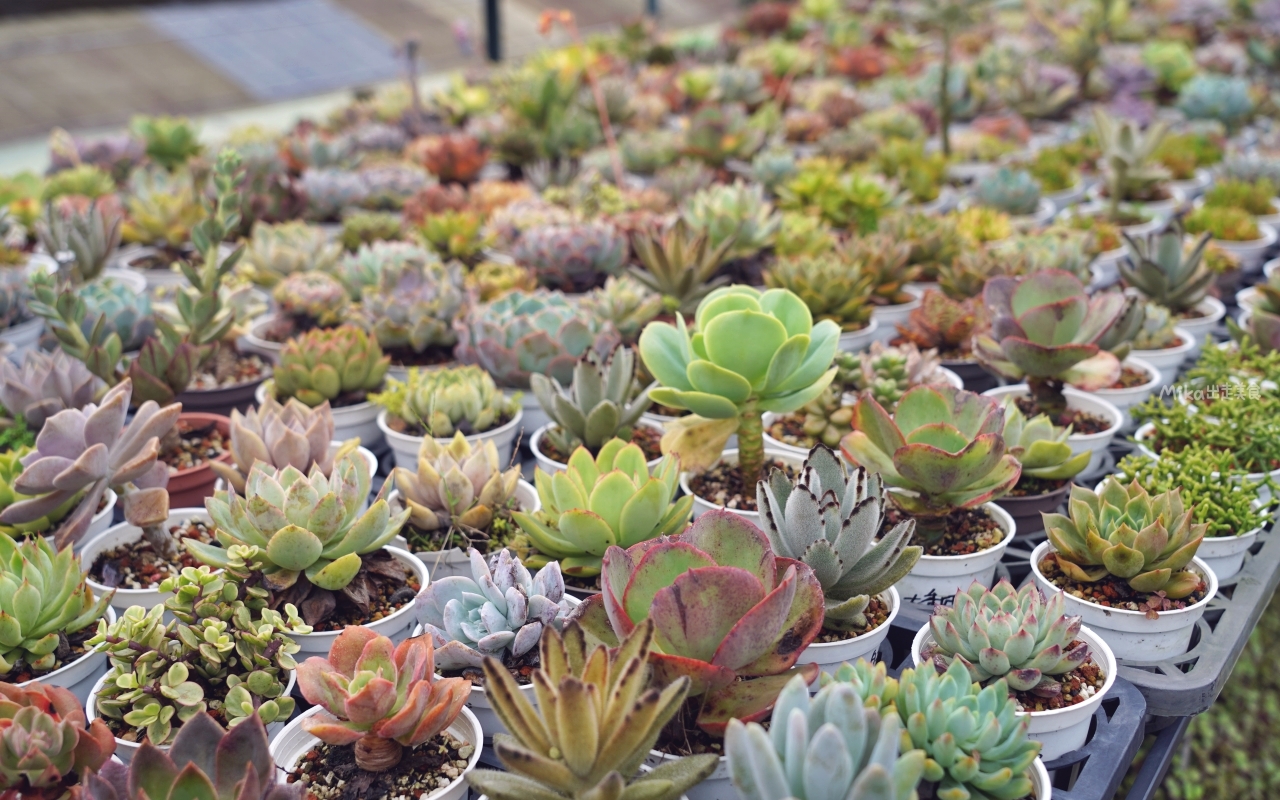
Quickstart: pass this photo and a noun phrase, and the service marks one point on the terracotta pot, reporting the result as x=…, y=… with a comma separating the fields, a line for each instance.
x=189, y=487
x=220, y=402
x=1026, y=510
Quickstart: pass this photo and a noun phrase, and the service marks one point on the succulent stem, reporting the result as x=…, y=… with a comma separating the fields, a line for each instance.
x=1048, y=396
x=376, y=754
x=158, y=537
x=750, y=448
x=944, y=99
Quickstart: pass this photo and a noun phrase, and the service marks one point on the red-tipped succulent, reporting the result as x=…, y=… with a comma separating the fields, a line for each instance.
x=727, y=613
x=382, y=697
x=45, y=742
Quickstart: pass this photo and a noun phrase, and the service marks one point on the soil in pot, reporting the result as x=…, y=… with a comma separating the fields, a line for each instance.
x=968, y=531
x=413, y=429
x=188, y=445
x=682, y=736
x=647, y=438
x=500, y=533
x=790, y=430
x=585, y=585
x=877, y=612
x=283, y=327
x=1081, y=422
x=229, y=367
x=69, y=650
x=137, y=565
x=330, y=771
x=433, y=356
x=1113, y=592
x=1156, y=194
x=666, y=411
x=165, y=256
x=382, y=587
x=1131, y=378
x=1028, y=486
x=722, y=484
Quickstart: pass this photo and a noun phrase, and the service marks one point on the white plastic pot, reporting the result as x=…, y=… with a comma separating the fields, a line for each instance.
x=1041, y=784
x=1061, y=730
x=80, y=675
x=944, y=202
x=1043, y=215
x=1192, y=188
x=1124, y=399
x=294, y=742
x=936, y=579
x=1170, y=359
x=534, y=416
x=1067, y=197
x=124, y=533
x=1199, y=327
x=395, y=626
x=1250, y=253
x=125, y=750
x=830, y=655
x=349, y=422
x=859, y=340
x=454, y=561
x=1160, y=209
x=405, y=447
x=701, y=506
x=1095, y=208
x=551, y=466
x=255, y=342
x=1225, y=554
x=770, y=443
x=1130, y=634
x=1272, y=219
x=24, y=336
x=1094, y=443
x=887, y=318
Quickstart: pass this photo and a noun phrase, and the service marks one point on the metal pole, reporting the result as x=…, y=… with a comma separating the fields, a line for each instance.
x=492, y=31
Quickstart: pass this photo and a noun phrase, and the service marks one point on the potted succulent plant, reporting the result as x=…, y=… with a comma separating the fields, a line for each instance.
x=53, y=611
x=737, y=675
x=1016, y=193
x=1057, y=670
x=1048, y=465
x=729, y=387
x=610, y=499
x=1235, y=231
x=948, y=326
x=1160, y=266
x=457, y=614
x=340, y=366
x=678, y=263
x=1136, y=580
x=1155, y=340
x=1132, y=173
x=1188, y=156
x=833, y=522
x=1238, y=425
x=333, y=560
x=436, y=403
x=223, y=652
x=609, y=743
x=892, y=298
x=415, y=713
x=943, y=454
x=601, y=404
x=834, y=287
x=304, y=301
x=982, y=225
x=1044, y=328
x=49, y=746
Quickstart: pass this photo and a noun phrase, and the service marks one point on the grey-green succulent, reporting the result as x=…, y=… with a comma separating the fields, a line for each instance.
x=600, y=404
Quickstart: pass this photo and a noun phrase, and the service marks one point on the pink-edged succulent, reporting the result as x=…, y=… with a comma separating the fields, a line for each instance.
x=943, y=447
x=46, y=741
x=382, y=697
x=727, y=613
x=1046, y=329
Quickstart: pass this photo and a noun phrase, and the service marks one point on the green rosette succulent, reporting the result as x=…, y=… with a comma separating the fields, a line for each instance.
x=728, y=385
x=1159, y=266
x=943, y=447
x=1040, y=446
x=325, y=364
x=1124, y=531
x=10, y=469
x=413, y=302
x=599, y=405
x=598, y=502
x=443, y=401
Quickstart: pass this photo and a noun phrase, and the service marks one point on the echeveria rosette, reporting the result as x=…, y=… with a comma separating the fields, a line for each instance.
x=752, y=352
x=46, y=740
x=728, y=614
x=943, y=448
x=1040, y=446
x=1046, y=329
x=1126, y=532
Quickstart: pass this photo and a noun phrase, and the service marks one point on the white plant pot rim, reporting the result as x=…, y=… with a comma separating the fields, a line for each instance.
x=1188, y=344
x=50, y=678
x=549, y=464
x=1001, y=517
x=358, y=412
x=898, y=308
x=1069, y=392
x=894, y=601
x=92, y=549
x=1216, y=308
x=1250, y=246
x=1196, y=565
x=1146, y=388
x=388, y=622
x=416, y=441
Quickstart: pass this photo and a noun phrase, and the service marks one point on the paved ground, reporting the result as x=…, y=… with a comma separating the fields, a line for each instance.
x=90, y=70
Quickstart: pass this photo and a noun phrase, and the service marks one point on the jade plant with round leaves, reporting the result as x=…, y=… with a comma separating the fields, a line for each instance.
x=752, y=352
x=728, y=614
x=1046, y=330
x=943, y=448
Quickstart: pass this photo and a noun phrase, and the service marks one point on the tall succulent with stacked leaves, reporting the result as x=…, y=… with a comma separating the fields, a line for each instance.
x=727, y=385
x=948, y=18
x=728, y=614
x=830, y=521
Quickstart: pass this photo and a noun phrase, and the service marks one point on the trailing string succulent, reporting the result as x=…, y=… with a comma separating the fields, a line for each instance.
x=833, y=745
x=728, y=386
x=522, y=333
x=412, y=304
x=338, y=364
x=80, y=452
x=501, y=611
x=602, y=501
x=42, y=597
x=831, y=521
x=223, y=651
x=975, y=742
x=679, y=263
x=943, y=446
x=599, y=405
x=596, y=720
x=45, y=384
x=1040, y=446
x=1006, y=633
x=1046, y=329
x=574, y=257
x=1124, y=531
x=439, y=402
x=274, y=252
x=380, y=697
x=47, y=742
x=204, y=761
x=1224, y=223
x=1012, y=191
x=727, y=614
x=278, y=435
x=833, y=287
x=311, y=531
